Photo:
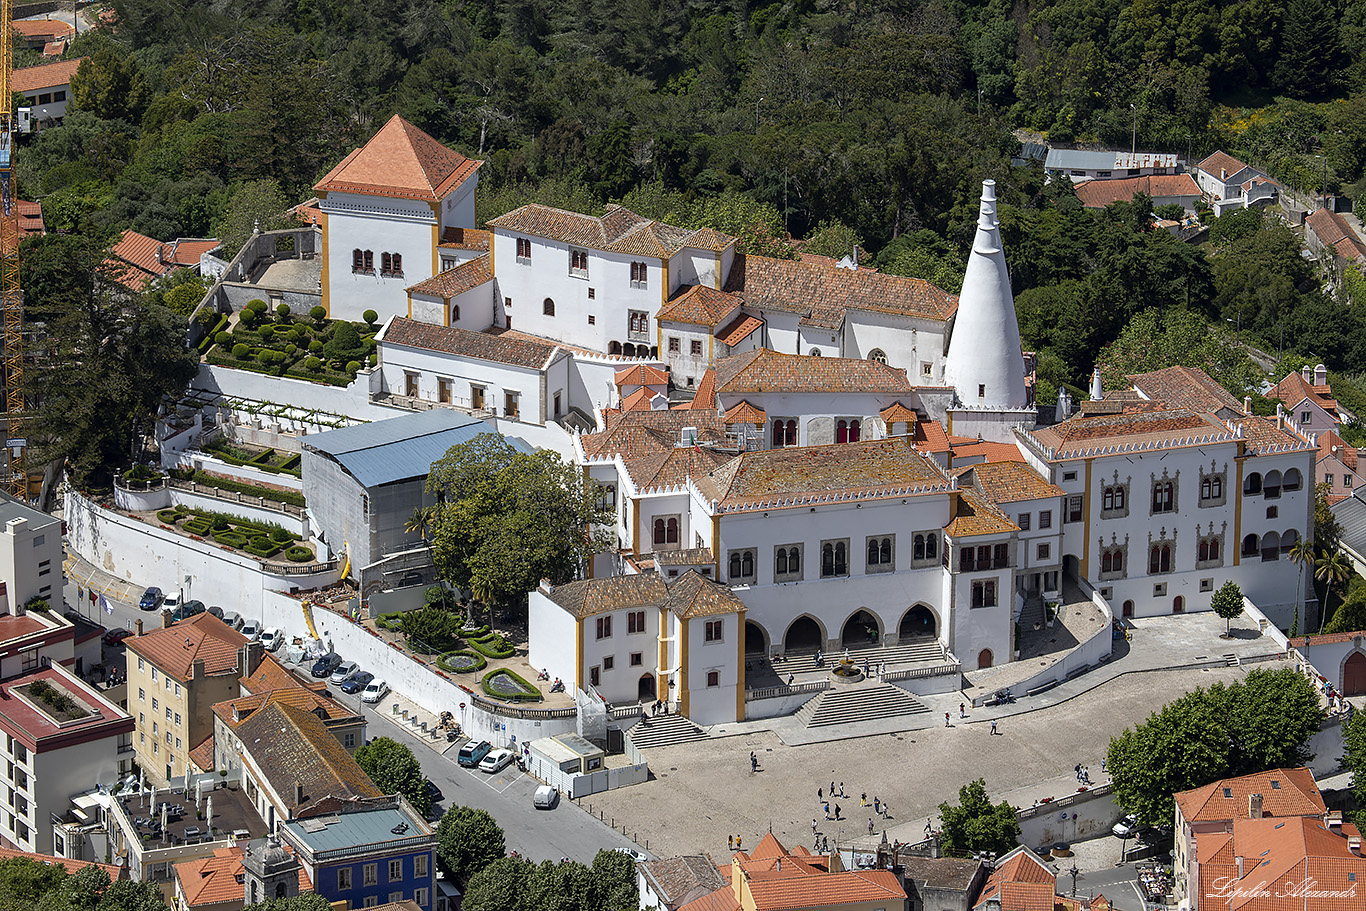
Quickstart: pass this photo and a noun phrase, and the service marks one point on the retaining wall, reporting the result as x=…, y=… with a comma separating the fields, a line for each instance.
x=1070, y=819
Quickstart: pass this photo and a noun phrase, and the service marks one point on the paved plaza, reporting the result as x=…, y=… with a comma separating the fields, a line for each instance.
x=705, y=792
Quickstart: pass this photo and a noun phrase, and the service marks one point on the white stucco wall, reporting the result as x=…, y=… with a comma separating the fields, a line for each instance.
x=552, y=632
x=381, y=225
x=497, y=379
x=915, y=345
x=713, y=704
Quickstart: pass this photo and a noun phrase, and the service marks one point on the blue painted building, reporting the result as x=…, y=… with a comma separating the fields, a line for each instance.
x=367, y=852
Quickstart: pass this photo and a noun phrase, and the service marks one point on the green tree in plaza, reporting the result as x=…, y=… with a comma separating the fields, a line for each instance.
x=502, y=885
x=1263, y=721
x=395, y=770
x=613, y=883
x=468, y=840
x=1227, y=603
x=974, y=825
x=505, y=519
x=1354, y=744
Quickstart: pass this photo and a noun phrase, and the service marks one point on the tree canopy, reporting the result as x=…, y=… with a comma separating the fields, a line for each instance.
x=395, y=770
x=517, y=883
x=468, y=840
x=975, y=825
x=27, y=885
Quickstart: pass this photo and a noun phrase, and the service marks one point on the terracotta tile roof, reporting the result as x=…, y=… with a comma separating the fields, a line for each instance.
x=483, y=346
x=1333, y=230
x=940, y=872
x=705, y=397
x=299, y=697
x=698, y=305
x=1009, y=482
x=457, y=238
x=308, y=211
x=671, y=468
x=692, y=556
x=30, y=217
x=636, y=434
x=992, y=452
x=929, y=436
x=1285, y=792
x=1295, y=389
x=1096, y=194
x=400, y=161
x=1264, y=435
x=1313, y=864
x=640, y=400
x=619, y=230
x=587, y=597
x=722, y=899
x=739, y=329
x=270, y=674
x=1221, y=161
x=640, y=375
x=42, y=28
x=202, y=755
x=138, y=258
x=292, y=747
x=457, y=279
x=214, y=880
x=185, y=251
x=823, y=293
x=897, y=413
x=1183, y=387
x=1329, y=639
x=694, y=595
x=765, y=370
x=175, y=648
x=56, y=48
x=977, y=516
x=679, y=880
x=1086, y=432
x=1021, y=882
x=45, y=75
x=71, y=866
x=804, y=475
x=1332, y=446
x=745, y=413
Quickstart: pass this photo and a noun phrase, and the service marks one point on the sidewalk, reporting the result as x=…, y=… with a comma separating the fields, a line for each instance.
x=82, y=573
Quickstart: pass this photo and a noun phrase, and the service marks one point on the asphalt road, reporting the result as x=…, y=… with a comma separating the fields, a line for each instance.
x=1116, y=884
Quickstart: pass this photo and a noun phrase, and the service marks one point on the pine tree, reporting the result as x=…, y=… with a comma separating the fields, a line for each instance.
x=1309, y=49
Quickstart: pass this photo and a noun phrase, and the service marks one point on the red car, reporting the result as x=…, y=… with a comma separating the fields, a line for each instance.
x=116, y=636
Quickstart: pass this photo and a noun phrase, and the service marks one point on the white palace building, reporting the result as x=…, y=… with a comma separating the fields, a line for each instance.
x=800, y=457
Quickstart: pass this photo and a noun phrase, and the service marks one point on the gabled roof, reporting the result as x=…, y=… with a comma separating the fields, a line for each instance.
x=30, y=217
x=1332, y=446
x=214, y=880
x=1096, y=194
x=454, y=237
x=619, y=230
x=822, y=294
x=1334, y=231
x=989, y=451
x=270, y=674
x=482, y=346
x=635, y=434
x=1313, y=865
x=679, y=880
x=292, y=747
x=174, y=649
x=236, y=712
x=671, y=468
x=699, y=305
x=1221, y=161
x=1184, y=387
x=1295, y=389
x=45, y=76
x=1285, y=792
x=457, y=279
x=1009, y=482
x=897, y=413
x=694, y=595
x=978, y=516
x=41, y=28
x=688, y=595
x=641, y=400
x=766, y=370
x=640, y=375
x=704, y=399
x=739, y=329
x=745, y=413
x=929, y=436
x=1020, y=882
x=400, y=161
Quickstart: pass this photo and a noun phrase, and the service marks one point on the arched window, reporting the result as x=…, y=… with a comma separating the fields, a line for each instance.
x=671, y=533
x=872, y=552
x=777, y=434
x=398, y=264
x=842, y=432
x=931, y=546
x=1160, y=558
x=659, y=531
x=1202, y=552
x=386, y=264
x=1271, y=485
x=1252, y=484
x=735, y=565
x=455, y=313
x=357, y=260
x=1112, y=560
x=747, y=564
x=1112, y=498
x=548, y=307
x=1214, y=548
x=780, y=562
x=815, y=352
x=614, y=348
x=794, y=560
x=841, y=559
x=1107, y=562
x=280, y=890
x=877, y=354
x=855, y=428
x=827, y=559
x=369, y=261
x=790, y=434
x=918, y=552
x=1289, y=540
x=1250, y=546
x=1271, y=547
x=628, y=349
x=1293, y=479
x=1164, y=496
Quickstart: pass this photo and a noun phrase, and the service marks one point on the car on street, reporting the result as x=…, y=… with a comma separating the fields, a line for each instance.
x=357, y=682
x=473, y=752
x=251, y=629
x=341, y=671
x=545, y=798
x=1125, y=828
x=374, y=691
x=151, y=599
x=325, y=665
x=232, y=618
x=496, y=761
x=116, y=636
x=187, y=610
x=434, y=794
x=272, y=638
x=632, y=853
x=216, y=611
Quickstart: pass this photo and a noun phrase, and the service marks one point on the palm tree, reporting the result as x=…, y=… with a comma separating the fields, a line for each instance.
x=1331, y=567
x=421, y=521
x=1302, y=552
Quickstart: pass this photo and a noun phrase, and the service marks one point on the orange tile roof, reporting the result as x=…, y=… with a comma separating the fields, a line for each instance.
x=71, y=866
x=1265, y=435
x=42, y=28
x=990, y=451
x=1329, y=639
x=213, y=880
x=45, y=75
x=823, y=293
x=1184, y=387
x=1021, y=882
x=1295, y=389
x=1089, y=431
x=136, y=259
x=293, y=748
x=671, y=468
x=640, y=400
x=308, y=212
x=185, y=251
x=30, y=217
x=977, y=515
x=1221, y=161
x=739, y=330
x=1285, y=792
x=766, y=370
x=1096, y=194
x=400, y=161
x=457, y=279
x=698, y=305
x=1009, y=482
x=1333, y=230
x=174, y=649
x=745, y=413
x=807, y=475
x=897, y=413
x=929, y=436
x=640, y=375
x=619, y=230
x=1332, y=446
x=202, y=755
x=270, y=674
x=1287, y=865
x=705, y=397
x=484, y=346
x=458, y=238
x=722, y=899
x=635, y=434
x=235, y=712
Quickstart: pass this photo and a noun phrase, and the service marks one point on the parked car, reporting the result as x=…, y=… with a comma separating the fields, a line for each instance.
x=473, y=752
x=632, y=853
x=232, y=618
x=216, y=611
x=545, y=797
x=187, y=610
x=374, y=691
x=272, y=638
x=115, y=636
x=170, y=602
x=357, y=682
x=326, y=664
x=341, y=671
x=251, y=629
x=1125, y=828
x=497, y=761
x=151, y=599
x=434, y=794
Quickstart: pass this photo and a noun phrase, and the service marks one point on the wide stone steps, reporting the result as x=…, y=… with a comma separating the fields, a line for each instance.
x=923, y=649
x=849, y=704
x=665, y=731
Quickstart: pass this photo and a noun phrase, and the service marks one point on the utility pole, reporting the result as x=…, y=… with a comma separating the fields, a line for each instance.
x=756, y=114
x=1133, y=143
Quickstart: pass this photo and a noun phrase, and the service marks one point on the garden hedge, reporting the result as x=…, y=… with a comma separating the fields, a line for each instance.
x=298, y=554
x=492, y=647
x=445, y=665
x=534, y=694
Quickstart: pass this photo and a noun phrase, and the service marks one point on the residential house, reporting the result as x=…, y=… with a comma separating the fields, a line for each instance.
x=176, y=675
x=1308, y=400
x=30, y=217
x=1083, y=166
x=1337, y=466
x=1231, y=185
x=137, y=260
x=1166, y=189
x=30, y=554
x=670, y=883
x=1334, y=242
x=226, y=748
x=1213, y=808
x=367, y=852
x=39, y=33
x=220, y=882
x=1350, y=513
x=62, y=736
x=1266, y=864
x=935, y=883
x=771, y=878
x=1022, y=881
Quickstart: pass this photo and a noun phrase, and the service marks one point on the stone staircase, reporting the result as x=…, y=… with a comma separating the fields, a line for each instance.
x=854, y=703
x=1032, y=614
x=665, y=731
x=908, y=651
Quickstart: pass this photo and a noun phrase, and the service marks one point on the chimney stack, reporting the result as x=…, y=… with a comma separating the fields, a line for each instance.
x=1247, y=404
x=1354, y=844
x=1254, y=806
x=1320, y=375
x=138, y=626
x=1307, y=373
x=1097, y=390
x=1335, y=819
x=197, y=669
x=165, y=619
x=1239, y=858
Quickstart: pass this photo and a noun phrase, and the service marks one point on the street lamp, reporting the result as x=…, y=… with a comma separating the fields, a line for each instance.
x=1074, y=871
x=756, y=114
x=1133, y=142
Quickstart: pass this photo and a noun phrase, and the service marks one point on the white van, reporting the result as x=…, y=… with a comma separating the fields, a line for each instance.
x=545, y=797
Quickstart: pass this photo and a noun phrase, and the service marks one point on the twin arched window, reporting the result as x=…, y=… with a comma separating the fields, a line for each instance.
x=784, y=433
x=847, y=431
x=1160, y=558
x=879, y=552
x=787, y=561
x=1112, y=560
x=925, y=547
x=835, y=559
x=665, y=531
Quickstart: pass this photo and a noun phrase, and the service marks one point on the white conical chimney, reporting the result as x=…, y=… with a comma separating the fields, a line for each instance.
x=985, y=363
x=1097, y=391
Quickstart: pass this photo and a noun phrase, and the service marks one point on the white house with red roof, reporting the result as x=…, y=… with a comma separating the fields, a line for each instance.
x=385, y=211
x=47, y=88
x=1230, y=184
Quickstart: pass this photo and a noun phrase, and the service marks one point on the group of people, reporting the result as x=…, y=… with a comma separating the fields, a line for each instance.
x=880, y=808
x=1083, y=773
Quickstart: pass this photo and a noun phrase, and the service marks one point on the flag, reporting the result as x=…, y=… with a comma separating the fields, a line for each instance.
x=104, y=603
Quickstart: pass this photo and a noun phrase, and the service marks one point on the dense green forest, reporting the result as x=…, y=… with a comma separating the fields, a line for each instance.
x=867, y=122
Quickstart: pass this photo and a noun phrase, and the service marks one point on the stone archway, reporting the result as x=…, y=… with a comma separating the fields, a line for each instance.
x=1354, y=675
x=804, y=634
x=756, y=639
x=861, y=629
x=917, y=622
x=645, y=688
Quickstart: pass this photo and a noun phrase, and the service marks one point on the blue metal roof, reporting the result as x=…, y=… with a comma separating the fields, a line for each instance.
x=400, y=448
x=357, y=830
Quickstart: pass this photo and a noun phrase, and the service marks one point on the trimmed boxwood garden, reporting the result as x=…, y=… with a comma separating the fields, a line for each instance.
x=461, y=661
x=260, y=539
x=491, y=645
x=292, y=497
x=317, y=349
x=509, y=686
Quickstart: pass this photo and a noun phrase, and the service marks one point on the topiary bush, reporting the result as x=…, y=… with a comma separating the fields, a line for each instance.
x=318, y=314
x=256, y=305
x=267, y=332
x=315, y=347
x=280, y=535
x=262, y=547
x=247, y=318
x=370, y=317
x=312, y=364
x=298, y=554
x=352, y=366
x=240, y=351
x=282, y=312
x=224, y=339
x=510, y=686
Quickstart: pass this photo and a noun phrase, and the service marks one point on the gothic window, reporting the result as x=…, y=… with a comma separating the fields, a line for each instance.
x=1164, y=496
x=787, y=562
x=834, y=558
x=1160, y=559
x=1114, y=500
x=880, y=552
x=1271, y=547
x=877, y=354
x=741, y=565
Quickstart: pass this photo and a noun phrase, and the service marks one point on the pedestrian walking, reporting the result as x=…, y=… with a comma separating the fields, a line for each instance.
x=865, y=667
x=1077, y=769
x=790, y=678
x=863, y=799
x=837, y=811
x=730, y=842
x=813, y=825
x=877, y=805
x=962, y=710
x=753, y=762
x=826, y=805
x=886, y=811
x=928, y=829
x=832, y=789
x=870, y=825
x=946, y=719
x=993, y=725
x=882, y=671
x=820, y=796
x=1104, y=766
x=841, y=790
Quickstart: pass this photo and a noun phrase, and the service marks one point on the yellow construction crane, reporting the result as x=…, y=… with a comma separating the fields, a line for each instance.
x=10, y=297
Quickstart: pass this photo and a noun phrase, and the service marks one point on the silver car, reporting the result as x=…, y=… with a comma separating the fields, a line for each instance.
x=344, y=670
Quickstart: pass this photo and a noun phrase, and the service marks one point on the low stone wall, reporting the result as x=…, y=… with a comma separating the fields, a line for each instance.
x=1072, y=818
